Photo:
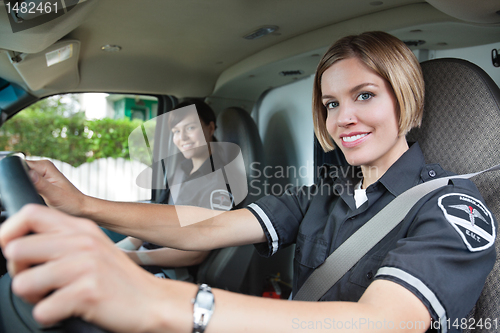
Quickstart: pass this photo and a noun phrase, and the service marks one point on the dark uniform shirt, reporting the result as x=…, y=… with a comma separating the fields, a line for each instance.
x=206, y=187
x=433, y=252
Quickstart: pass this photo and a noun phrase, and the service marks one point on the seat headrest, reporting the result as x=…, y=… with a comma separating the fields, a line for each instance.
x=237, y=126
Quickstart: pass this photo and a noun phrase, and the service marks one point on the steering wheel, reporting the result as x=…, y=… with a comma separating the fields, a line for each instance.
x=17, y=190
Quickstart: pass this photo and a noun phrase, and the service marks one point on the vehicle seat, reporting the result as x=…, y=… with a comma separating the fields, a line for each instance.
x=235, y=125
x=460, y=131
x=226, y=268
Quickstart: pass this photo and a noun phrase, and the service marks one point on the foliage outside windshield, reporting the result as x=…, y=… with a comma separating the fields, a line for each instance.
x=57, y=128
x=90, y=148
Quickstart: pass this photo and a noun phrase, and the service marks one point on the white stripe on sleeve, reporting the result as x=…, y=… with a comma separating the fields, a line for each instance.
x=268, y=224
x=422, y=288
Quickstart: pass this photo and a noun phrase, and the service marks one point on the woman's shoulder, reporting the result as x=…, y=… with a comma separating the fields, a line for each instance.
x=456, y=184
x=461, y=206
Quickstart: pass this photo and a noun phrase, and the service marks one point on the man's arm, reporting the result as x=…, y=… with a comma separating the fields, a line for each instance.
x=106, y=288
x=180, y=227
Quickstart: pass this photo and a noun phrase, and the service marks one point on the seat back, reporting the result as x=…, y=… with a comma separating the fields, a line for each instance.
x=235, y=125
x=461, y=131
x=226, y=268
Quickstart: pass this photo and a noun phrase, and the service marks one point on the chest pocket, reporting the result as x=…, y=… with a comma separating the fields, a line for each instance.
x=310, y=252
x=365, y=270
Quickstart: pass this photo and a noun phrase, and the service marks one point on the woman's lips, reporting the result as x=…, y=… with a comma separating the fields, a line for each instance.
x=354, y=139
x=187, y=146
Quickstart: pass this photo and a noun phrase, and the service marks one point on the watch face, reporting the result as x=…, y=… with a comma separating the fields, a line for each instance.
x=205, y=299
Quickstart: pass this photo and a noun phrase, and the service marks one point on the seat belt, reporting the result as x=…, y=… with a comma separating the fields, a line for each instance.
x=366, y=237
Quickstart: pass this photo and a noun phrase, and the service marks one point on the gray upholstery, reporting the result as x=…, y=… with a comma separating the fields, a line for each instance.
x=226, y=268
x=461, y=132
x=237, y=126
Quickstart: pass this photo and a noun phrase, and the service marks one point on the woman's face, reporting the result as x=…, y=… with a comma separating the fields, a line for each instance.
x=362, y=114
x=191, y=136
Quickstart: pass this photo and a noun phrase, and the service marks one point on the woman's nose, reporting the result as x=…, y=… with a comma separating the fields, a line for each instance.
x=184, y=135
x=346, y=115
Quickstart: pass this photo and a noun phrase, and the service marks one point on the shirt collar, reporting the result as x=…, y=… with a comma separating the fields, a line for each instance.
x=187, y=165
x=345, y=179
x=214, y=161
x=409, y=170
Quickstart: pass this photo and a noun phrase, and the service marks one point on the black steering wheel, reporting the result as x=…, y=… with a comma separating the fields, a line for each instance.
x=17, y=190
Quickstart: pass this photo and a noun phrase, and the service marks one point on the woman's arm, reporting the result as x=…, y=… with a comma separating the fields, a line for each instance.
x=129, y=243
x=106, y=288
x=167, y=257
x=384, y=307
x=163, y=257
x=180, y=227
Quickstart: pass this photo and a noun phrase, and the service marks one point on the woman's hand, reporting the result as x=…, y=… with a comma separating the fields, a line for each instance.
x=56, y=190
x=68, y=267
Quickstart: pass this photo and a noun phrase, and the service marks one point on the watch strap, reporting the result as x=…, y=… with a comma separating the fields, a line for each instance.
x=203, y=308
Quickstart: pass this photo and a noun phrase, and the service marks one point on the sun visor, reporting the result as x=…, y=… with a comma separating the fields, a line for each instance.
x=54, y=68
x=32, y=34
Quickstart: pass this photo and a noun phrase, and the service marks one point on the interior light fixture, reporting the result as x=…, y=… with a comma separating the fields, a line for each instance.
x=261, y=32
x=111, y=48
x=291, y=72
x=414, y=42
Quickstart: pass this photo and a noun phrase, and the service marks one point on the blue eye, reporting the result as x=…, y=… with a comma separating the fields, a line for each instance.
x=364, y=96
x=331, y=105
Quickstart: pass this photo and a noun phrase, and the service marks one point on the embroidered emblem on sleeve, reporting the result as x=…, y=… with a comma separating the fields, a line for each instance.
x=470, y=218
x=221, y=200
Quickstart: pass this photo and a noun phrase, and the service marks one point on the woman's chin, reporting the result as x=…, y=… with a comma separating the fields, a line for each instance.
x=353, y=160
x=196, y=152
x=188, y=154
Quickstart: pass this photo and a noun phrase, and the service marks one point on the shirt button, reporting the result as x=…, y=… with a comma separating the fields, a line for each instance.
x=369, y=275
x=432, y=173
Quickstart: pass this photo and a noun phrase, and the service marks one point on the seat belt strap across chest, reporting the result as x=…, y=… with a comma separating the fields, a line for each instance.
x=366, y=237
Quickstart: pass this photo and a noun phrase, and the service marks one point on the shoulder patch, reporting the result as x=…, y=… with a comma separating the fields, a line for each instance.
x=221, y=200
x=470, y=218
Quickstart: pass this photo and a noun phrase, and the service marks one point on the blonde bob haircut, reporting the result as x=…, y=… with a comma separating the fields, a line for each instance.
x=390, y=58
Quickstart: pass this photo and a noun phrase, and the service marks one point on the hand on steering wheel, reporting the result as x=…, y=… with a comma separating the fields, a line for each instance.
x=55, y=188
x=16, y=190
x=69, y=267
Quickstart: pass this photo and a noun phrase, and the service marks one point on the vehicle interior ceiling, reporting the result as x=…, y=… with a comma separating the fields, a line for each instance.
x=198, y=49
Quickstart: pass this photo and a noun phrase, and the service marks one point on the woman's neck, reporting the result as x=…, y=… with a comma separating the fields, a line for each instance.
x=198, y=162
x=372, y=173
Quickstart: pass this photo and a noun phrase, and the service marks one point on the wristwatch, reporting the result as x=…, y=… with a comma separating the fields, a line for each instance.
x=203, y=308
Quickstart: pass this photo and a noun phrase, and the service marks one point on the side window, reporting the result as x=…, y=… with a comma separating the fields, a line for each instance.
x=86, y=136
